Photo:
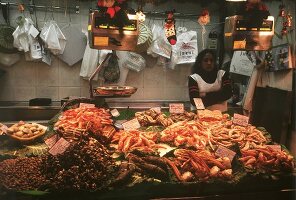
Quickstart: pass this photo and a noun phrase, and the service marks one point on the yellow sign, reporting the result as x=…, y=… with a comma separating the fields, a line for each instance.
x=240, y=44
x=101, y=41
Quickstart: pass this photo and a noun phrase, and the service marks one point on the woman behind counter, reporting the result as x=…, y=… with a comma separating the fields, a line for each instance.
x=209, y=83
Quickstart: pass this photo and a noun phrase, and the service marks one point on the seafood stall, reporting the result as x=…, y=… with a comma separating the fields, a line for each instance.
x=143, y=101
x=85, y=150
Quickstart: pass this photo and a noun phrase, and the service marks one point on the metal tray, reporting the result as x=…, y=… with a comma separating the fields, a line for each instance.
x=115, y=91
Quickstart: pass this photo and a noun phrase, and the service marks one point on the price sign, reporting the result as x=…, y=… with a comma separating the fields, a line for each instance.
x=156, y=109
x=131, y=125
x=59, y=147
x=115, y=113
x=239, y=44
x=3, y=129
x=176, y=107
x=240, y=120
x=51, y=140
x=275, y=147
x=86, y=105
x=224, y=152
x=199, y=104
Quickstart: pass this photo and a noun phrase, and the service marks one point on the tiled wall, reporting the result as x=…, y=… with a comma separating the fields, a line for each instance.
x=27, y=80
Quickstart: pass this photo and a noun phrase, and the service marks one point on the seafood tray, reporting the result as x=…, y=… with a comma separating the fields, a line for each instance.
x=115, y=91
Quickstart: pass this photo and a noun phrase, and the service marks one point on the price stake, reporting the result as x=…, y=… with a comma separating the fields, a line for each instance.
x=131, y=124
x=176, y=108
x=59, y=147
x=156, y=109
x=115, y=113
x=240, y=119
x=224, y=152
x=199, y=104
x=50, y=142
x=86, y=105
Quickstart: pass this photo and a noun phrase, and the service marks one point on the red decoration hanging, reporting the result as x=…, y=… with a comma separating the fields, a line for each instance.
x=204, y=17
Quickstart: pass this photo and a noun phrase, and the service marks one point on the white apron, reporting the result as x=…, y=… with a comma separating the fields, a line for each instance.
x=211, y=87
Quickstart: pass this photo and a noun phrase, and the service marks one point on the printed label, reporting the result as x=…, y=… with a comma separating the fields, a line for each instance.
x=224, y=152
x=50, y=142
x=86, y=105
x=115, y=113
x=176, y=108
x=199, y=104
x=59, y=147
x=131, y=125
x=240, y=119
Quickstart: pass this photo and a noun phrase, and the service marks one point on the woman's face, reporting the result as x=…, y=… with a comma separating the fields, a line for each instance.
x=207, y=63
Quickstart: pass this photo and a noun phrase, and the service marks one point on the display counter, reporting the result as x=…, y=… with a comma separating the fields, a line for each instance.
x=251, y=174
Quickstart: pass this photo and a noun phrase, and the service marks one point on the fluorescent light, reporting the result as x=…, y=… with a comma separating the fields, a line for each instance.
x=235, y=0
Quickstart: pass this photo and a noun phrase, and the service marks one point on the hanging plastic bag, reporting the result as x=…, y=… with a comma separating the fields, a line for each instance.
x=160, y=46
x=111, y=71
x=89, y=62
x=135, y=62
x=187, y=49
x=53, y=37
x=21, y=34
x=25, y=39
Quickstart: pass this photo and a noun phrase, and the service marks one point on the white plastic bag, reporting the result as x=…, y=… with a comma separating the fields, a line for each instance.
x=53, y=37
x=21, y=35
x=89, y=62
x=135, y=62
x=160, y=45
x=25, y=39
x=186, y=46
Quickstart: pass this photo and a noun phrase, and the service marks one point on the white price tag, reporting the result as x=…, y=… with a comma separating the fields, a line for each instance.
x=131, y=125
x=33, y=31
x=176, y=108
x=86, y=105
x=115, y=113
x=156, y=109
x=199, y=104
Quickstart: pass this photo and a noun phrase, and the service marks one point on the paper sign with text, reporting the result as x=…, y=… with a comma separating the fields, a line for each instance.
x=59, y=147
x=275, y=147
x=199, y=104
x=176, y=108
x=51, y=140
x=131, y=124
x=240, y=119
x=156, y=109
x=86, y=105
x=224, y=152
x=115, y=113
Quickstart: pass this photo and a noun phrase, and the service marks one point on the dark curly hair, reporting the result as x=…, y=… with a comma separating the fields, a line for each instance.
x=196, y=68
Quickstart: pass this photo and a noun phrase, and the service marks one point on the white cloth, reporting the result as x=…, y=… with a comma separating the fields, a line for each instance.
x=205, y=87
